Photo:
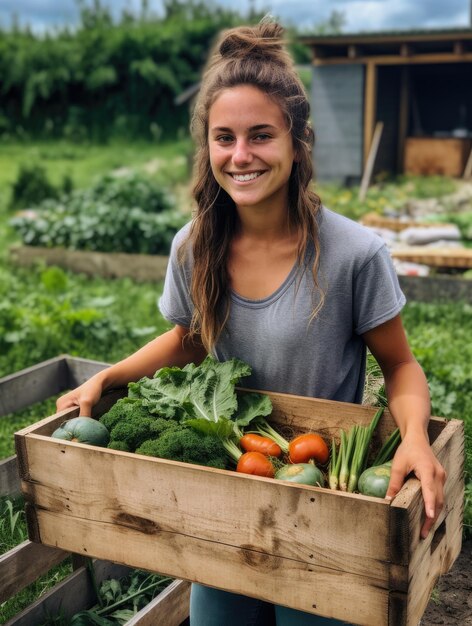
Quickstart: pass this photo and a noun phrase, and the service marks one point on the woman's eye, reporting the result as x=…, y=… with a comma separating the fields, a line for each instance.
x=224, y=138
x=262, y=137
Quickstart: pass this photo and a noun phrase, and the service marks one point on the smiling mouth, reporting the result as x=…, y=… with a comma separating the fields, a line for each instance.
x=243, y=178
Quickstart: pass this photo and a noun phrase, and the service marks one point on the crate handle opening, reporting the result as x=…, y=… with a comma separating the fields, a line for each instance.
x=438, y=536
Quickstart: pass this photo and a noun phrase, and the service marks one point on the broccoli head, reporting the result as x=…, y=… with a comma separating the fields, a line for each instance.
x=188, y=446
x=122, y=410
x=119, y=445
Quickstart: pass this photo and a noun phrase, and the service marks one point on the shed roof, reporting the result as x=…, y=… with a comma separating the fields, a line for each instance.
x=455, y=42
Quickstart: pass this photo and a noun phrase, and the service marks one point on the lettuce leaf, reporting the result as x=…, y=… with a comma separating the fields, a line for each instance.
x=202, y=395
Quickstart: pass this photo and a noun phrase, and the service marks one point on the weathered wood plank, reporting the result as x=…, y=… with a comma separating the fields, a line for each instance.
x=33, y=384
x=278, y=518
x=80, y=370
x=9, y=478
x=242, y=570
x=433, y=556
x=73, y=594
x=169, y=608
x=24, y=564
x=140, y=267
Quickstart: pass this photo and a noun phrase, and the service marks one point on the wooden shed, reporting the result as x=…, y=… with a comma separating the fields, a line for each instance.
x=417, y=83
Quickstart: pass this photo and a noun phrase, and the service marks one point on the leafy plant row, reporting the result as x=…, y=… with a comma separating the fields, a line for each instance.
x=129, y=214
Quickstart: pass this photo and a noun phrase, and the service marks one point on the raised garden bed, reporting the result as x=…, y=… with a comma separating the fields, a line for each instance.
x=140, y=267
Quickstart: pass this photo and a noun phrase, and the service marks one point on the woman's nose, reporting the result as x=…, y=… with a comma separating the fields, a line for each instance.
x=242, y=153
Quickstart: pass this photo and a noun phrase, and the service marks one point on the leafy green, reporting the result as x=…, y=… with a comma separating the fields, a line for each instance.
x=202, y=396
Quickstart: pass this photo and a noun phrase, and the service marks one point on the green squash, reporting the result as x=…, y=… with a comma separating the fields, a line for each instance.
x=83, y=430
x=374, y=480
x=301, y=473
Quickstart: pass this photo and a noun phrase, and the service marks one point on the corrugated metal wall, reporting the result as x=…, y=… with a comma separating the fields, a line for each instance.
x=337, y=102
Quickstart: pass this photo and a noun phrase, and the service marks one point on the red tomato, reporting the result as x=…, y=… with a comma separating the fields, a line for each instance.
x=255, y=463
x=306, y=447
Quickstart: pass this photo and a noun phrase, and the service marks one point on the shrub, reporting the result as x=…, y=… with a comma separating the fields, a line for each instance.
x=31, y=186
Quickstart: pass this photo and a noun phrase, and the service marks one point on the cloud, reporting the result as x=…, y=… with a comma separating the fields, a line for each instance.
x=360, y=15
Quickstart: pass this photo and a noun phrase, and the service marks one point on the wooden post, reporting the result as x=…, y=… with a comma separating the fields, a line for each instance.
x=403, y=114
x=369, y=167
x=370, y=105
x=468, y=167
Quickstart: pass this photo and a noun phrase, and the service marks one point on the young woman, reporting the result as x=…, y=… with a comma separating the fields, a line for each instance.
x=267, y=274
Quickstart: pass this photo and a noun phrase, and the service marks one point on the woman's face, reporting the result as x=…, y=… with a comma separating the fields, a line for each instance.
x=251, y=149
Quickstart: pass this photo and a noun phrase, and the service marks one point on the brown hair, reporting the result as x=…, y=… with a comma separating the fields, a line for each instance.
x=245, y=56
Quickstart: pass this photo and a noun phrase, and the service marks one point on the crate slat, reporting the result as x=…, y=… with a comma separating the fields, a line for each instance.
x=169, y=608
x=23, y=564
x=33, y=384
x=73, y=594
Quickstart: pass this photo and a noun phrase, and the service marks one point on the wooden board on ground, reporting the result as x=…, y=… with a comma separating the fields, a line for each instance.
x=140, y=267
x=435, y=257
x=396, y=224
x=260, y=537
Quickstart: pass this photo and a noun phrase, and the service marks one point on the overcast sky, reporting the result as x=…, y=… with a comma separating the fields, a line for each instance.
x=360, y=15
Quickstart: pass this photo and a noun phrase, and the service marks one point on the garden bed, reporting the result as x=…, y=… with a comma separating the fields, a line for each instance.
x=139, y=267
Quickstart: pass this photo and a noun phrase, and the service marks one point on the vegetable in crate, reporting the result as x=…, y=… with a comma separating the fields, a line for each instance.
x=252, y=442
x=309, y=447
x=374, y=480
x=83, y=430
x=191, y=414
x=350, y=460
x=184, y=444
x=301, y=473
x=255, y=463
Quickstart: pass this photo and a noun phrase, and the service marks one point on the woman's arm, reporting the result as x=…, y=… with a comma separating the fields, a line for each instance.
x=409, y=402
x=170, y=348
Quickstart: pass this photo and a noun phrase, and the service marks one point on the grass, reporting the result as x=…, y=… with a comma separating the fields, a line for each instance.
x=85, y=162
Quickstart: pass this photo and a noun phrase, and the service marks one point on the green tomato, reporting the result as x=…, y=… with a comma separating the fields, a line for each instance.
x=374, y=480
x=302, y=473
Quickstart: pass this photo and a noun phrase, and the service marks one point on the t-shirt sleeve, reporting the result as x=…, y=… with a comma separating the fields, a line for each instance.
x=175, y=303
x=377, y=293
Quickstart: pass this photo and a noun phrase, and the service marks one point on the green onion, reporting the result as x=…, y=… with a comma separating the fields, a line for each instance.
x=386, y=451
x=334, y=466
x=361, y=450
x=348, y=444
x=262, y=427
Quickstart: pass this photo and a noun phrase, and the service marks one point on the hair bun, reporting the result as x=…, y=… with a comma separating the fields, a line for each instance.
x=260, y=40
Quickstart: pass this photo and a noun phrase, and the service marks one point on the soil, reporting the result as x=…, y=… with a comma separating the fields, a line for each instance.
x=451, y=601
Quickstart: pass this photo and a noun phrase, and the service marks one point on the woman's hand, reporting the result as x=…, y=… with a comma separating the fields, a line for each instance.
x=415, y=456
x=85, y=397
x=409, y=403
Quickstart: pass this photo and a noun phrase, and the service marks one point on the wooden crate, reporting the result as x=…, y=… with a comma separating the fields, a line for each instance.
x=347, y=556
x=426, y=156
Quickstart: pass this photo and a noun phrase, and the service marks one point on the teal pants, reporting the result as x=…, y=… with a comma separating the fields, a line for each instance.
x=212, y=607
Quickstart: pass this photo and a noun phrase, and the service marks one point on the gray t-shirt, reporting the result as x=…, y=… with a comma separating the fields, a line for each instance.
x=325, y=357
